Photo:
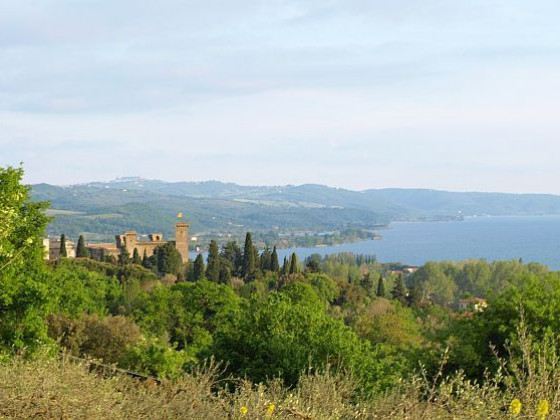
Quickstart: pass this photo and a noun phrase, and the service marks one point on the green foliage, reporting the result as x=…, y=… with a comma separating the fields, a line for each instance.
x=24, y=282
x=249, y=258
x=169, y=261
x=537, y=296
x=388, y=322
x=434, y=284
x=198, y=268
x=76, y=289
x=272, y=325
x=136, y=257
x=187, y=314
x=400, y=292
x=264, y=260
x=81, y=250
x=232, y=258
x=326, y=289
x=380, y=287
x=367, y=283
x=285, y=334
x=63, y=252
x=155, y=358
x=213, y=266
x=294, y=264
x=107, y=339
x=124, y=256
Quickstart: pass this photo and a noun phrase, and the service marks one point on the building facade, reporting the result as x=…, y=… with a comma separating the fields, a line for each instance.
x=128, y=241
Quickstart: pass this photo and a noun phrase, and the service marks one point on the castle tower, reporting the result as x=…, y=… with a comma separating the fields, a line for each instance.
x=182, y=239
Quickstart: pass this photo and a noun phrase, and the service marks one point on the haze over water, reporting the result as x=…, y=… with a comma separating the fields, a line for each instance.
x=531, y=238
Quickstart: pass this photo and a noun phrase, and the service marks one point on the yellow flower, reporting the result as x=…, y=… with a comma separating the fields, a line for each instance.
x=270, y=409
x=515, y=407
x=243, y=410
x=542, y=409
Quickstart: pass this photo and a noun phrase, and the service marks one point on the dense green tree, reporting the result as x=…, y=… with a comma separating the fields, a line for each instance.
x=225, y=273
x=136, y=257
x=400, y=291
x=249, y=267
x=274, y=265
x=213, y=265
x=416, y=296
x=285, y=334
x=380, y=287
x=63, y=252
x=285, y=266
x=367, y=282
x=475, y=340
x=436, y=286
x=169, y=260
x=294, y=264
x=389, y=323
x=198, y=269
x=145, y=260
x=81, y=250
x=105, y=338
x=233, y=257
x=312, y=266
x=264, y=260
x=124, y=256
x=26, y=297
x=85, y=286
x=188, y=314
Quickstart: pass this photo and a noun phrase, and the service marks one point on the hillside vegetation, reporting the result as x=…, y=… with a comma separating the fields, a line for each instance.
x=243, y=335
x=213, y=208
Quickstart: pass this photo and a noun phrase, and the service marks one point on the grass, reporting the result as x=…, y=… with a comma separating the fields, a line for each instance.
x=47, y=387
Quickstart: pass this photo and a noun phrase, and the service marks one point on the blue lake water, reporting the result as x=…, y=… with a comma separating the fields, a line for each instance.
x=531, y=238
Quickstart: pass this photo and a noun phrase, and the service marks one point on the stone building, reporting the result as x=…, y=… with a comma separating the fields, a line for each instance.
x=52, y=247
x=130, y=241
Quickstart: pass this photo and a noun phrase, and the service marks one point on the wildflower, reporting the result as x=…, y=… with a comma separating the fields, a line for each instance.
x=270, y=409
x=515, y=407
x=542, y=409
x=243, y=410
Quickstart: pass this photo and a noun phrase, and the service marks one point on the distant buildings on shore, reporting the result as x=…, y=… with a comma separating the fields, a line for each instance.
x=128, y=241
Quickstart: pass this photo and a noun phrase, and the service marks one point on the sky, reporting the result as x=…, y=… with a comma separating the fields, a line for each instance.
x=358, y=94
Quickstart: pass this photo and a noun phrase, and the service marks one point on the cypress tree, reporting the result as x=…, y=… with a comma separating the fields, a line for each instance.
x=145, y=261
x=81, y=250
x=136, y=257
x=225, y=273
x=265, y=259
x=294, y=264
x=248, y=256
x=231, y=253
x=274, y=265
x=124, y=256
x=285, y=266
x=380, y=287
x=63, y=252
x=198, y=268
x=168, y=259
x=213, y=266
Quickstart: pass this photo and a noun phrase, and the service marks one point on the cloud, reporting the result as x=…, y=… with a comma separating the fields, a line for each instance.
x=294, y=90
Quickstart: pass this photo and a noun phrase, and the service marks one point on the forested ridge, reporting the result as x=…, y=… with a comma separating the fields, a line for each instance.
x=240, y=334
x=275, y=215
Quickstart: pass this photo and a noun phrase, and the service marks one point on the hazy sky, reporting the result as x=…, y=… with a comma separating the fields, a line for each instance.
x=458, y=95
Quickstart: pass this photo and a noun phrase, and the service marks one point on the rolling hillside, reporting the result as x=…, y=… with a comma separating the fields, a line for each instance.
x=212, y=207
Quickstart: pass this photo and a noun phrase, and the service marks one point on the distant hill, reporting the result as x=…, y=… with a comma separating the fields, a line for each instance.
x=212, y=207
